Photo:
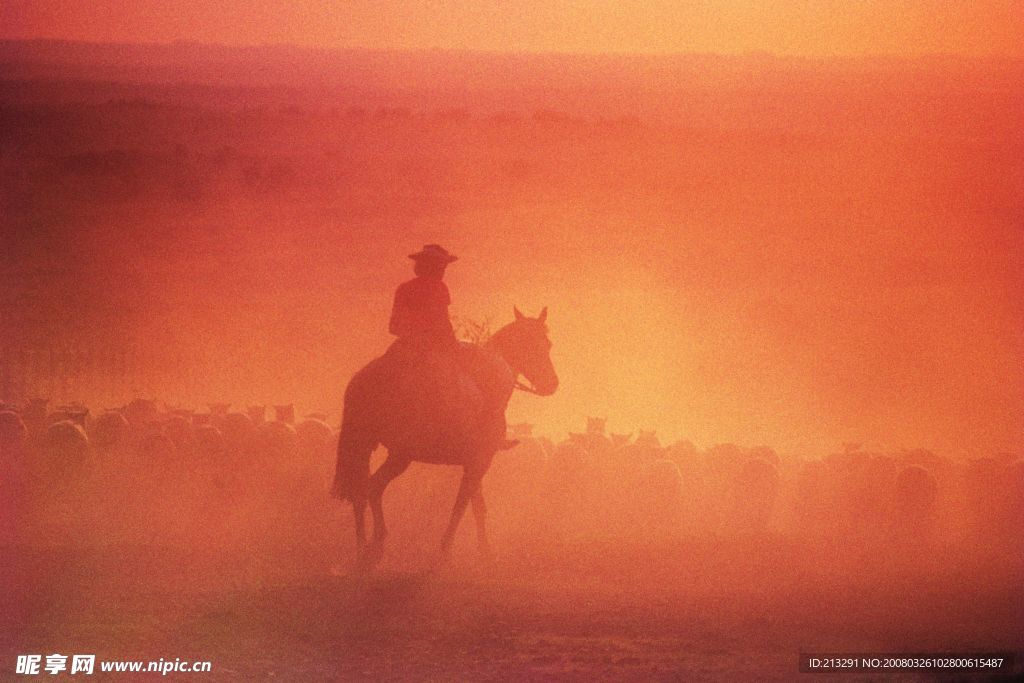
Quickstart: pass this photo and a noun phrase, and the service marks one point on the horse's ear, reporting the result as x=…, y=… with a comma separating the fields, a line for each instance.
x=519, y=315
x=543, y=315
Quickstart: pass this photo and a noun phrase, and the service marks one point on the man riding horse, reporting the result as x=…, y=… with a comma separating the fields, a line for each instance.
x=436, y=400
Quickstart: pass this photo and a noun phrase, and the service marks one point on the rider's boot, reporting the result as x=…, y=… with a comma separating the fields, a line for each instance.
x=496, y=428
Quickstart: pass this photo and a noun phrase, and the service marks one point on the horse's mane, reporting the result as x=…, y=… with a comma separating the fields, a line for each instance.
x=501, y=337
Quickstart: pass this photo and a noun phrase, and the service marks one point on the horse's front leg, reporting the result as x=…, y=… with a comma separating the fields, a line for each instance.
x=359, y=512
x=467, y=489
x=472, y=474
x=480, y=513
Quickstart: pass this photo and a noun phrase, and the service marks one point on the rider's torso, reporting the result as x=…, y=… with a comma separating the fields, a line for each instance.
x=421, y=309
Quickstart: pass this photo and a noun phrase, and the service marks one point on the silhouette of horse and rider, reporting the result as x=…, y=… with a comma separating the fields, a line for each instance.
x=431, y=398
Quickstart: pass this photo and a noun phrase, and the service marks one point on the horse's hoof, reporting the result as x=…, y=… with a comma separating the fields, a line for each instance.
x=369, y=557
x=442, y=561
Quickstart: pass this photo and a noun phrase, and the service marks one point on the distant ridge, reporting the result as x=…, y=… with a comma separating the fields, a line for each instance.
x=282, y=64
x=697, y=91
x=43, y=45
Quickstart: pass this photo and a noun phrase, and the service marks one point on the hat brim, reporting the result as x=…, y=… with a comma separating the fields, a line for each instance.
x=433, y=257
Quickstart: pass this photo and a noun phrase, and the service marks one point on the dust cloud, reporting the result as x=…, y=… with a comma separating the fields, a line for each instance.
x=790, y=286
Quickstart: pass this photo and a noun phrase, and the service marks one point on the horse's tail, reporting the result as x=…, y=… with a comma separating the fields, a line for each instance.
x=355, y=446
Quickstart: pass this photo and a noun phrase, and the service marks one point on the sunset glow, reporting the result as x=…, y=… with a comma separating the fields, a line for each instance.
x=829, y=27
x=739, y=290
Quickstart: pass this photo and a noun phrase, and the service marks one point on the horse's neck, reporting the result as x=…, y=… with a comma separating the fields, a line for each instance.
x=499, y=344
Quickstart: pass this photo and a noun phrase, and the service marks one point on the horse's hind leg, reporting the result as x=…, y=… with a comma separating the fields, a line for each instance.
x=467, y=490
x=351, y=474
x=480, y=513
x=391, y=468
x=359, y=512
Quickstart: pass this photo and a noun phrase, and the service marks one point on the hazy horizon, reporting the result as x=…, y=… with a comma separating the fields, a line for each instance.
x=795, y=255
x=751, y=53
x=826, y=28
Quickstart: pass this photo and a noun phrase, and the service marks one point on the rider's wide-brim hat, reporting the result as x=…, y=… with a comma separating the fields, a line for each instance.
x=434, y=252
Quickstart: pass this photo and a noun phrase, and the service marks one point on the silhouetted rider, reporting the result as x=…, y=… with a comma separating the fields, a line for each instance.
x=419, y=316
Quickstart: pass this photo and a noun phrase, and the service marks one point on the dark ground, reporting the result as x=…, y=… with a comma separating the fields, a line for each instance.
x=692, y=610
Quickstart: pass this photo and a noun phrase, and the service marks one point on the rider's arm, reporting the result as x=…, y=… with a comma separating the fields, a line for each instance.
x=401, y=324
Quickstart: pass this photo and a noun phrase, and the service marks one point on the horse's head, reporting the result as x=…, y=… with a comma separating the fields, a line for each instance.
x=525, y=346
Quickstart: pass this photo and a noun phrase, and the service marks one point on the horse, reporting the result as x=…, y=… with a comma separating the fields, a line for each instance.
x=380, y=410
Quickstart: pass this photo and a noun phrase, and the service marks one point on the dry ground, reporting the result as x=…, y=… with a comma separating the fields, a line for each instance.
x=692, y=609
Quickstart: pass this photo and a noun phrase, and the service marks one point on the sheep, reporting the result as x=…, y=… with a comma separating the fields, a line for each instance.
x=517, y=477
x=915, y=495
x=593, y=440
x=67, y=440
x=209, y=441
x=275, y=442
x=754, y=492
x=994, y=489
x=179, y=430
x=258, y=414
x=156, y=448
x=13, y=433
x=569, y=479
x=719, y=467
x=65, y=453
x=315, y=443
x=238, y=431
x=659, y=497
x=645, y=449
x=665, y=480
x=140, y=411
x=75, y=413
x=109, y=431
x=520, y=430
x=314, y=438
x=620, y=441
x=876, y=483
x=814, y=499
x=682, y=451
x=765, y=453
x=34, y=415
x=219, y=410
x=285, y=413
x=724, y=457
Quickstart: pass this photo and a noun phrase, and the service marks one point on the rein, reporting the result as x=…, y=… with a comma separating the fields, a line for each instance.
x=525, y=387
x=494, y=344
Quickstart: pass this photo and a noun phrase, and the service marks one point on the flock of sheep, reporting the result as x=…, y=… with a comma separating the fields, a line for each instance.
x=638, y=486
x=207, y=466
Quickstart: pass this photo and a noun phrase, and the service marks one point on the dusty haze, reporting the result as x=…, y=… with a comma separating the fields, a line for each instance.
x=802, y=272
x=799, y=252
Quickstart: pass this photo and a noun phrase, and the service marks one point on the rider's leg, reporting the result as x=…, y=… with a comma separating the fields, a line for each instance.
x=496, y=429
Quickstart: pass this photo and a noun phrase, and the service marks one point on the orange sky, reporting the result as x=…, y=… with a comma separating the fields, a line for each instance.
x=823, y=260
x=794, y=27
